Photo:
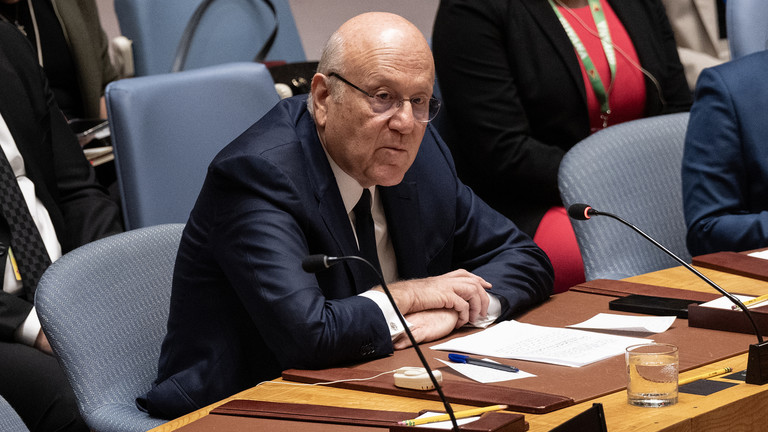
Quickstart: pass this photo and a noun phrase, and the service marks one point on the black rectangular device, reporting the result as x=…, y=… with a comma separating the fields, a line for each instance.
x=651, y=305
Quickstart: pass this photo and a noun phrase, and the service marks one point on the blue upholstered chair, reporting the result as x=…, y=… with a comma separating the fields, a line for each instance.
x=9, y=419
x=104, y=308
x=167, y=128
x=747, y=24
x=631, y=170
x=230, y=31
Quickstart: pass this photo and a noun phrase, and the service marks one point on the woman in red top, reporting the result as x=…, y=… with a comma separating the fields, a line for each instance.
x=522, y=81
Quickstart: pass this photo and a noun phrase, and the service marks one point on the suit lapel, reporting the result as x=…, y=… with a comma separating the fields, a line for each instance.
x=401, y=206
x=327, y=196
x=545, y=18
x=329, y=202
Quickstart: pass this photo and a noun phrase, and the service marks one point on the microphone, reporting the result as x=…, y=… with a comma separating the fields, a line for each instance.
x=316, y=263
x=757, y=362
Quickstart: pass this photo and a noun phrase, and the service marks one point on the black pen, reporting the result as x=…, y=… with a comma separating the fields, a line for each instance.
x=460, y=358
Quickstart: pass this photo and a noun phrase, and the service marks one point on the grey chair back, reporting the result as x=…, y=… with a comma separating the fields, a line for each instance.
x=633, y=171
x=167, y=128
x=747, y=24
x=9, y=419
x=104, y=308
x=230, y=31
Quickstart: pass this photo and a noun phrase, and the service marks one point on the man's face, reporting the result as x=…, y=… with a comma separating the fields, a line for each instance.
x=375, y=148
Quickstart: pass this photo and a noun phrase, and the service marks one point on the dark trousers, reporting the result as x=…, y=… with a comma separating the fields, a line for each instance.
x=35, y=386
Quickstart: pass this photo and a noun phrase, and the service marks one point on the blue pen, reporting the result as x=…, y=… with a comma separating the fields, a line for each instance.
x=460, y=358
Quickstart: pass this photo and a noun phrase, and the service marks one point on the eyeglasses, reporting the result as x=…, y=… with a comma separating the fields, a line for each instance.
x=386, y=103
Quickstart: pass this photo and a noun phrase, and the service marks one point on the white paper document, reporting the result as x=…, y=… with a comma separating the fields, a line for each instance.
x=484, y=374
x=627, y=323
x=724, y=303
x=760, y=254
x=561, y=346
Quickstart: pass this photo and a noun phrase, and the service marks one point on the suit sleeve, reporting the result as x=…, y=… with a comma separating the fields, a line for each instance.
x=491, y=246
x=261, y=242
x=716, y=174
x=88, y=212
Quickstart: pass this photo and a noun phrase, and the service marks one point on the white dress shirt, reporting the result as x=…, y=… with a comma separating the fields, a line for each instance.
x=351, y=191
x=28, y=331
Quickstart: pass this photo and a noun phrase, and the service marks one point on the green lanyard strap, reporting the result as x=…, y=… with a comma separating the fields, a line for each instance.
x=605, y=38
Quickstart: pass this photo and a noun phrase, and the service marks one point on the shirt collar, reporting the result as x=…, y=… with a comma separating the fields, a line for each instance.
x=350, y=189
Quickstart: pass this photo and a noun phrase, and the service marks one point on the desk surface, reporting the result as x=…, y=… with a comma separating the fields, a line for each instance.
x=738, y=408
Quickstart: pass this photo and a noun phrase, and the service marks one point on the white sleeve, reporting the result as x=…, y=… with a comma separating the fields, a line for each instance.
x=390, y=315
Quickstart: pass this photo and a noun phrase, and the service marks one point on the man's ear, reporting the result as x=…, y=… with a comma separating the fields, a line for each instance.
x=320, y=98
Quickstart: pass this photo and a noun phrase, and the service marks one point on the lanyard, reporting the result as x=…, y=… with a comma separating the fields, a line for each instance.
x=581, y=50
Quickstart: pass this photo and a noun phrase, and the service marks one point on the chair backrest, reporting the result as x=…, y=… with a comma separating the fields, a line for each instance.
x=167, y=128
x=633, y=171
x=104, y=308
x=747, y=24
x=230, y=31
x=9, y=419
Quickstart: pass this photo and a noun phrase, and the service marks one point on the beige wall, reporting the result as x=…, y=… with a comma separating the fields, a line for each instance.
x=317, y=19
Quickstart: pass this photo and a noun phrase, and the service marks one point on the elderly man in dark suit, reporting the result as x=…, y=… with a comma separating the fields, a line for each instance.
x=42, y=166
x=301, y=181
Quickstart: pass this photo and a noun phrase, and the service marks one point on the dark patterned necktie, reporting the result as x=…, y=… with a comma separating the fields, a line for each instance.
x=366, y=237
x=27, y=245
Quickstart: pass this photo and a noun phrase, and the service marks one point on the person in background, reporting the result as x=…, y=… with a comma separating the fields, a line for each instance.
x=72, y=48
x=50, y=204
x=700, y=32
x=525, y=80
x=354, y=169
x=725, y=161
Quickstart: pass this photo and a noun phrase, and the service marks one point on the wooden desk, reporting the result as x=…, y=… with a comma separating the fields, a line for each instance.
x=738, y=408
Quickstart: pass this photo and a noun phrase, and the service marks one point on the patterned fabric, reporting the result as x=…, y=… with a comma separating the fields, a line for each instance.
x=631, y=170
x=104, y=307
x=27, y=245
x=9, y=419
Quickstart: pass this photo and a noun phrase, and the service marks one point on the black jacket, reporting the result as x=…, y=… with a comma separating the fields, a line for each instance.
x=80, y=209
x=515, y=97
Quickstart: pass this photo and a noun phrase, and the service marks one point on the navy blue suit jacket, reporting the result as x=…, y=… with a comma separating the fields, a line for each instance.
x=725, y=163
x=242, y=310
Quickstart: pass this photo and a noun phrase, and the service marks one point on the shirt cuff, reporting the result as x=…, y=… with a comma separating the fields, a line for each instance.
x=29, y=329
x=390, y=314
x=494, y=311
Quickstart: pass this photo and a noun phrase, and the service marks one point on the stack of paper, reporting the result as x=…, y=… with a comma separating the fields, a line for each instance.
x=561, y=346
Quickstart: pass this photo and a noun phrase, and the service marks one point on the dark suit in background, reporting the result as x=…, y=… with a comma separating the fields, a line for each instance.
x=515, y=97
x=725, y=163
x=65, y=183
x=242, y=310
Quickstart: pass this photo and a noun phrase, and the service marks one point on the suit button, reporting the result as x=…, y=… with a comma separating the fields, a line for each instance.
x=367, y=350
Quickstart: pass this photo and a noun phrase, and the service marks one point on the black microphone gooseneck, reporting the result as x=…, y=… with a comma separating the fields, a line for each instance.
x=757, y=365
x=316, y=263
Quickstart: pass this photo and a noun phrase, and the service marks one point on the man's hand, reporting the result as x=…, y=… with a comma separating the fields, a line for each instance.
x=41, y=343
x=429, y=325
x=459, y=290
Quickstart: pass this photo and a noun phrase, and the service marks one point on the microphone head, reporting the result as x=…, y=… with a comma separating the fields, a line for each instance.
x=580, y=211
x=314, y=263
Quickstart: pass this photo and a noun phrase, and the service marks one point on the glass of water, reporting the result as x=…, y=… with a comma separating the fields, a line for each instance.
x=652, y=374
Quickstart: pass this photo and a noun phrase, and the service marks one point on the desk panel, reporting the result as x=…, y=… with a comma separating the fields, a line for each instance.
x=739, y=408
x=697, y=347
